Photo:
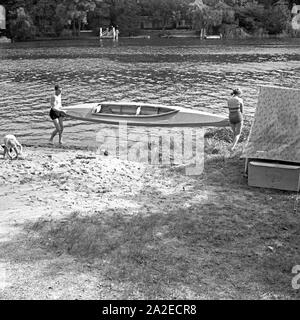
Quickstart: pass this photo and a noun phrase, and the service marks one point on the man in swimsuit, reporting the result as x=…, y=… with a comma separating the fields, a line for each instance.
x=56, y=114
x=235, y=105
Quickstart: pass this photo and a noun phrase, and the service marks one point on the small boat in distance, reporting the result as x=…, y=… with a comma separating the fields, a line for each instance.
x=143, y=114
x=212, y=37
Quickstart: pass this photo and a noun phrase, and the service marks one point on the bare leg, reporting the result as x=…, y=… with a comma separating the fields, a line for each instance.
x=57, y=129
x=61, y=124
x=233, y=126
x=16, y=152
x=237, y=133
x=20, y=148
x=235, y=141
x=5, y=152
x=10, y=153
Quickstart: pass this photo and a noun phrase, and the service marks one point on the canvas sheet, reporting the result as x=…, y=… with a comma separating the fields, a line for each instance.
x=275, y=131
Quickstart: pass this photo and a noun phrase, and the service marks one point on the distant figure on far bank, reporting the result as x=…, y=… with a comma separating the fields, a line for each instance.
x=117, y=33
x=235, y=105
x=56, y=114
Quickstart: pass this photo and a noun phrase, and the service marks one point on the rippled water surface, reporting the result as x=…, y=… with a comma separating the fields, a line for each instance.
x=184, y=72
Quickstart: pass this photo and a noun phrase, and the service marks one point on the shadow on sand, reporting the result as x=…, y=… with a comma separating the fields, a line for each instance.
x=214, y=243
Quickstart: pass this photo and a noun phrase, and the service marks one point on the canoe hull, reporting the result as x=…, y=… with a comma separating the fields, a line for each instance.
x=177, y=117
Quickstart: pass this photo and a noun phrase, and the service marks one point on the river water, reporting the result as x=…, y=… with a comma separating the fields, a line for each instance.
x=185, y=72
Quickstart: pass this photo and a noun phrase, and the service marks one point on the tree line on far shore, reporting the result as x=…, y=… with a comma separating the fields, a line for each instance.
x=29, y=19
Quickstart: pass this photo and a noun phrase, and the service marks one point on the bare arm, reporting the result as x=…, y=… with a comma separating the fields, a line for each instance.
x=242, y=107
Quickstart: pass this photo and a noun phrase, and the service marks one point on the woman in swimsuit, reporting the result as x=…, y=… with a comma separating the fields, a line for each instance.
x=56, y=114
x=235, y=105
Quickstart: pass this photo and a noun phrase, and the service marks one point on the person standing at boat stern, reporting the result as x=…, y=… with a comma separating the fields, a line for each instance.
x=56, y=113
x=235, y=105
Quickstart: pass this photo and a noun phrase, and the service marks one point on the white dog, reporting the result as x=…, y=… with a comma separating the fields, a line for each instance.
x=12, y=144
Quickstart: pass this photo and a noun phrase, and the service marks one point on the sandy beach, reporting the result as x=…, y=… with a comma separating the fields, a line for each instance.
x=76, y=225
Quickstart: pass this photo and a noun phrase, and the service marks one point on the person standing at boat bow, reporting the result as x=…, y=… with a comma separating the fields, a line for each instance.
x=56, y=113
x=235, y=105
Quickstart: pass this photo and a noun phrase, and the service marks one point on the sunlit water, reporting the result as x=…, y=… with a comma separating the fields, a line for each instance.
x=185, y=72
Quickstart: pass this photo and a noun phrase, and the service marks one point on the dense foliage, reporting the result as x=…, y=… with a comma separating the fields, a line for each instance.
x=27, y=19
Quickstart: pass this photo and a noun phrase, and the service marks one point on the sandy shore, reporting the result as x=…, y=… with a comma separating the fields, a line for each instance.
x=74, y=225
x=59, y=181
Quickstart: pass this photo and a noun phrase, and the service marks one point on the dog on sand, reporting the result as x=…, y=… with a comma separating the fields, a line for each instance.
x=12, y=146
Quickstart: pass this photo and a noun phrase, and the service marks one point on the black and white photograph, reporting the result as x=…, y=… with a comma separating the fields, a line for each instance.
x=149, y=151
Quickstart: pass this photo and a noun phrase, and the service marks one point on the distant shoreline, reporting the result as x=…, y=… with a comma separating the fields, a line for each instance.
x=146, y=38
x=173, y=33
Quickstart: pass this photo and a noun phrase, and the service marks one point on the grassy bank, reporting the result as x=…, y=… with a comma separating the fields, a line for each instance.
x=80, y=227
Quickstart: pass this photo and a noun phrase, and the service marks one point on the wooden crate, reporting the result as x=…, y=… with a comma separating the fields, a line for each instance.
x=274, y=175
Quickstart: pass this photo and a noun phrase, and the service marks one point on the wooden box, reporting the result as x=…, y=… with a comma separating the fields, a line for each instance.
x=274, y=175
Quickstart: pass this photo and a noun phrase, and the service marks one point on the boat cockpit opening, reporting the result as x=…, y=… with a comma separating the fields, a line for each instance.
x=131, y=110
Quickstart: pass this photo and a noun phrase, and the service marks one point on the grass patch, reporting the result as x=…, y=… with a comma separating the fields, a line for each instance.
x=225, y=134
